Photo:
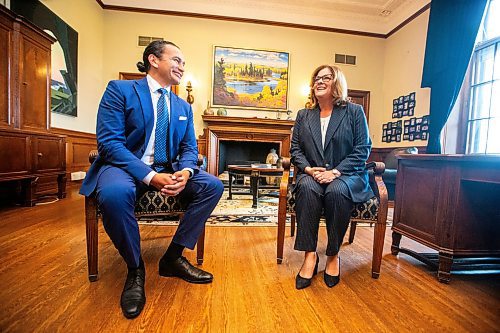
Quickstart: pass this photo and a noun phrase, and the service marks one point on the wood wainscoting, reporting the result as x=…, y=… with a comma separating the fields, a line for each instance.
x=78, y=146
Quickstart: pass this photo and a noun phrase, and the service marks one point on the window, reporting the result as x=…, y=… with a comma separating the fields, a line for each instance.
x=483, y=121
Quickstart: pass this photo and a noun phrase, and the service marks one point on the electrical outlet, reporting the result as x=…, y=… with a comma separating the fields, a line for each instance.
x=79, y=175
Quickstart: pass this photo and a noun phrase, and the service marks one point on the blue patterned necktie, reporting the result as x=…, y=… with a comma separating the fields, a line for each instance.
x=161, y=133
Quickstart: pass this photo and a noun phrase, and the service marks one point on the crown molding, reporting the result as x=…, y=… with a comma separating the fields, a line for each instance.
x=262, y=22
x=408, y=20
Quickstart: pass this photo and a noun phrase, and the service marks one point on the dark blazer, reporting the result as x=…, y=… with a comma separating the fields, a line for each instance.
x=347, y=146
x=124, y=125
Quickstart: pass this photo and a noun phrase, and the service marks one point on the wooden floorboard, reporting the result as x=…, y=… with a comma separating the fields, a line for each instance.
x=43, y=270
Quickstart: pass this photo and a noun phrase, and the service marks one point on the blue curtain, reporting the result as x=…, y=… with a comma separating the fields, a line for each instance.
x=452, y=31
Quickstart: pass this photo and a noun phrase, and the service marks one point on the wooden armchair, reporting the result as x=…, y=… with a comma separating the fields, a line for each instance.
x=372, y=211
x=151, y=204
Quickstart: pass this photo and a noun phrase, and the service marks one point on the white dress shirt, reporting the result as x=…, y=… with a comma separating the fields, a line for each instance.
x=324, y=126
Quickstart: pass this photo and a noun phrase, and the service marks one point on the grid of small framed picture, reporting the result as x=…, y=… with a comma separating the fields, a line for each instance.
x=403, y=106
x=392, y=131
x=416, y=129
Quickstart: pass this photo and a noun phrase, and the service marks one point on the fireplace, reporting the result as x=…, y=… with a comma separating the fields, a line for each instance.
x=236, y=152
x=246, y=138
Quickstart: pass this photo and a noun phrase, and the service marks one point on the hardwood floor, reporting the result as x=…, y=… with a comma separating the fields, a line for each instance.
x=43, y=270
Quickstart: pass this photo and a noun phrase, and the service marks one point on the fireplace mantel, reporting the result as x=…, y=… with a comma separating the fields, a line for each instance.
x=220, y=128
x=244, y=121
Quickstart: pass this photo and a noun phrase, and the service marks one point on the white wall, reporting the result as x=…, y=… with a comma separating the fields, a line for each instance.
x=196, y=37
x=403, y=65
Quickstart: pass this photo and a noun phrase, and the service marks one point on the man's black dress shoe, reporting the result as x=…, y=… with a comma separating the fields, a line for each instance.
x=332, y=280
x=133, y=295
x=183, y=269
x=301, y=282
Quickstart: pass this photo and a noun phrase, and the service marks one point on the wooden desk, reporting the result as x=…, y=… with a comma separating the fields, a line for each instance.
x=450, y=203
x=255, y=174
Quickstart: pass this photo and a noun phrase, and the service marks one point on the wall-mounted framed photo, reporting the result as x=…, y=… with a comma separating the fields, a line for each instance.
x=251, y=79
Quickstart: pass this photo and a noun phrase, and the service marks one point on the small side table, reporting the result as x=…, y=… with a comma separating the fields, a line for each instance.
x=255, y=174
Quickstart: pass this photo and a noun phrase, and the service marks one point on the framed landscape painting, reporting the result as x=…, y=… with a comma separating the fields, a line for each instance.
x=253, y=79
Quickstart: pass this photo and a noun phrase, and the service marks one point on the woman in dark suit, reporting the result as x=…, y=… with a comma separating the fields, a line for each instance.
x=330, y=145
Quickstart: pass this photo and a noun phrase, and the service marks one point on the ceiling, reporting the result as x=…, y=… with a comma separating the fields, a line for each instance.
x=372, y=16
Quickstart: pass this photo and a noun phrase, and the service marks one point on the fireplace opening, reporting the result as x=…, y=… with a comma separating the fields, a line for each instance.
x=244, y=152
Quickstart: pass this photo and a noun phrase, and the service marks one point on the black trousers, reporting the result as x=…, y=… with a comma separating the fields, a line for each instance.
x=311, y=201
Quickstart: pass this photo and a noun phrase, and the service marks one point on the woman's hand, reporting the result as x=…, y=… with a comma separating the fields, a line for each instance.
x=312, y=170
x=326, y=176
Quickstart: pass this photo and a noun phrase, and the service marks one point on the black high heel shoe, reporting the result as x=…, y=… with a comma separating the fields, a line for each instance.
x=300, y=282
x=332, y=280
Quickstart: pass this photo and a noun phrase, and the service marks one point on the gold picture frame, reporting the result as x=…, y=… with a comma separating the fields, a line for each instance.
x=250, y=79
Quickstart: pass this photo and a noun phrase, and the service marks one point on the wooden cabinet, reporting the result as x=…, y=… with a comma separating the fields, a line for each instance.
x=449, y=203
x=6, y=28
x=29, y=153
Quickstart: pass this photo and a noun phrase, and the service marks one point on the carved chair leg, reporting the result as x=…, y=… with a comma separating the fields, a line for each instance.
x=200, y=247
x=281, y=231
x=92, y=234
x=378, y=247
x=292, y=225
x=352, y=231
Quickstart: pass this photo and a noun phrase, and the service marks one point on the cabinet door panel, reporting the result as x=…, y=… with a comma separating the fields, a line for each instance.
x=34, y=88
x=418, y=213
x=4, y=76
x=46, y=185
x=14, y=155
x=48, y=154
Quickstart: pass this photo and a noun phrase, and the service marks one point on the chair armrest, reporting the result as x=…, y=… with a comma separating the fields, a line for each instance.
x=375, y=171
x=377, y=167
x=286, y=163
x=285, y=179
x=94, y=153
x=202, y=162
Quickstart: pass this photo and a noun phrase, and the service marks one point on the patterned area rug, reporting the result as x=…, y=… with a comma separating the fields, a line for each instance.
x=239, y=212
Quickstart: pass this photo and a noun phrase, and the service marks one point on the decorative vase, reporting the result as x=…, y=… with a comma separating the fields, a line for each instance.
x=279, y=163
x=208, y=111
x=272, y=158
x=221, y=112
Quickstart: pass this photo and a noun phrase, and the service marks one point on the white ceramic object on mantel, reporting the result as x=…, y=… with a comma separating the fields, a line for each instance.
x=272, y=158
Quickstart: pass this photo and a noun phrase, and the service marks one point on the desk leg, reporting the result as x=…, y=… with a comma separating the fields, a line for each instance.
x=444, y=270
x=254, y=182
x=230, y=196
x=396, y=240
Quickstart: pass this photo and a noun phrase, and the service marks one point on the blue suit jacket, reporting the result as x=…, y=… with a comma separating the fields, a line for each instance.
x=347, y=146
x=124, y=126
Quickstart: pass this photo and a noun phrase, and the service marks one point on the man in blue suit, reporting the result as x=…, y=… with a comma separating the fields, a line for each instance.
x=145, y=137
